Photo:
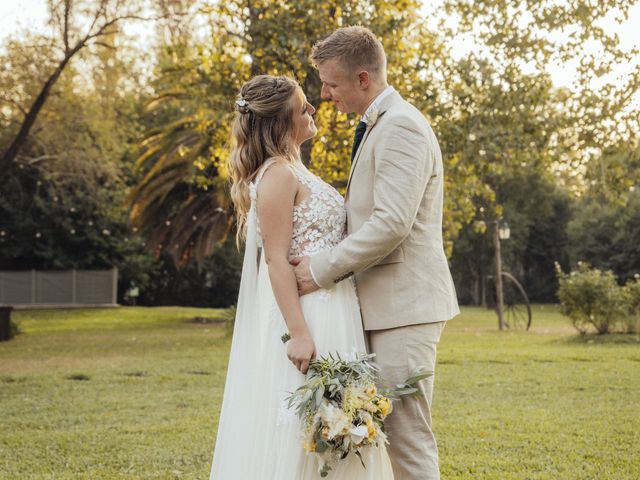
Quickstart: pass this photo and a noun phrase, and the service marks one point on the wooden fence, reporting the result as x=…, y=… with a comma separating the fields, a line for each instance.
x=69, y=288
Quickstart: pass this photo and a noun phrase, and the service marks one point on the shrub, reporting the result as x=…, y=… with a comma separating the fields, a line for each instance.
x=14, y=328
x=632, y=291
x=590, y=297
x=230, y=319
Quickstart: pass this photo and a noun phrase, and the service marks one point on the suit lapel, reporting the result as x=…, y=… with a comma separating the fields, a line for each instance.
x=384, y=106
x=355, y=159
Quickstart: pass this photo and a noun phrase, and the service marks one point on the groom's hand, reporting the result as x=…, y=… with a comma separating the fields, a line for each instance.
x=306, y=283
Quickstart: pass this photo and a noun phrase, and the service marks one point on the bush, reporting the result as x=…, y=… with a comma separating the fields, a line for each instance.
x=230, y=319
x=590, y=297
x=14, y=328
x=215, y=285
x=632, y=291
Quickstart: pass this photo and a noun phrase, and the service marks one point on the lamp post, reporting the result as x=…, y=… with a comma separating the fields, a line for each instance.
x=500, y=232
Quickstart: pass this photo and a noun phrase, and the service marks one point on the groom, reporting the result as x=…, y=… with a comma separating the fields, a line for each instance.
x=394, y=214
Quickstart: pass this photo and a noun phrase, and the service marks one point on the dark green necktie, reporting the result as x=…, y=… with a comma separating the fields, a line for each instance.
x=360, y=129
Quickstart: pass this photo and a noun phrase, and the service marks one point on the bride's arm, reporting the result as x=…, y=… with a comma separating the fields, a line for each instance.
x=276, y=197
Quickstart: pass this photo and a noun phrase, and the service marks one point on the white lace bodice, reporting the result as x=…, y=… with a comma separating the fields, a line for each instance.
x=319, y=221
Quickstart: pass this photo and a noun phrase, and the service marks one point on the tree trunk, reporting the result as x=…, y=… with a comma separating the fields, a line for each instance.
x=5, y=323
x=12, y=152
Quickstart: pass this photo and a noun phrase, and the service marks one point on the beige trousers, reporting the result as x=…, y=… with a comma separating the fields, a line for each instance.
x=412, y=444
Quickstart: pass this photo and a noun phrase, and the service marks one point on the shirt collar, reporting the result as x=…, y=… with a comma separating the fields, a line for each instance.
x=376, y=101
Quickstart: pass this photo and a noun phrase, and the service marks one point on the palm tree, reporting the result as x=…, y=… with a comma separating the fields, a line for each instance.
x=182, y=201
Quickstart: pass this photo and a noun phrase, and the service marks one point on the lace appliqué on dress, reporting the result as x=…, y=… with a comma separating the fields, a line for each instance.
x=319, y=221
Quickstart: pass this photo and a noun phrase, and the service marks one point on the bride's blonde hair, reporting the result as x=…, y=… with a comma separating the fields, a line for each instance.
x=262, y=129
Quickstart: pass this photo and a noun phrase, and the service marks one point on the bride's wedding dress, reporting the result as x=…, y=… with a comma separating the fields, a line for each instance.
x=259, y=438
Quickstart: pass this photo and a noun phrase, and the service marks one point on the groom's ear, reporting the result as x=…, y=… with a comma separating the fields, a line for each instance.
x=364, y=79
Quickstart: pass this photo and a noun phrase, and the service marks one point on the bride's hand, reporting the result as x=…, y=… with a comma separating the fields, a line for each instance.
x=301, y=350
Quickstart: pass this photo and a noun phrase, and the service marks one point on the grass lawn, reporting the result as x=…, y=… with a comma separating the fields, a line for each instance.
x=135, y=392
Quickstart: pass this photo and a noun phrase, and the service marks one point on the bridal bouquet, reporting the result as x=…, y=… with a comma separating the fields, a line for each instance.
x=342, y=410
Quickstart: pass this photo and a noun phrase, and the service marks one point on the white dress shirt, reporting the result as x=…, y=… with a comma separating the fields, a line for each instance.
x=376, y=102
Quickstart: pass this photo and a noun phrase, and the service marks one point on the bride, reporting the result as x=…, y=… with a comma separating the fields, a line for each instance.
x=283, y=211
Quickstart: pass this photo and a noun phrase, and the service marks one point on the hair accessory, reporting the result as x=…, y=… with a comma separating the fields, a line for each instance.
x=243, y=105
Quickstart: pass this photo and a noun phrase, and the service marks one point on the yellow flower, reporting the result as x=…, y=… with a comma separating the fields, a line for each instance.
x=371, y=391
x=384, y=406
x=371, y=407
x=310, y=447
x=371, y=430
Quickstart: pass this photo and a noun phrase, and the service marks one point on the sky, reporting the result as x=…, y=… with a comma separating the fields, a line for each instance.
x=20, y=15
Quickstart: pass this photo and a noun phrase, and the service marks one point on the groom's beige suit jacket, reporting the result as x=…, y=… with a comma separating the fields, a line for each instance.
x=394, y=206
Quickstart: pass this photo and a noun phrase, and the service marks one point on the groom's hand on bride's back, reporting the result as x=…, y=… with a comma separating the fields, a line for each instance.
x=306, y=283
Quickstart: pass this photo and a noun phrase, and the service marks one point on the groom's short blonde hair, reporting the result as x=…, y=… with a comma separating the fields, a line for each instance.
x=353, y=47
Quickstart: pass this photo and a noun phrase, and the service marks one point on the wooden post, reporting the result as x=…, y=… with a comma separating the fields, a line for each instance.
x=74, y=287
x=114, y=290
x=33, y=287
x=499, y=291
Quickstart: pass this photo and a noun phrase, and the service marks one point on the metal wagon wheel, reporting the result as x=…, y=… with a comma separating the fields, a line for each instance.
x=517, y=309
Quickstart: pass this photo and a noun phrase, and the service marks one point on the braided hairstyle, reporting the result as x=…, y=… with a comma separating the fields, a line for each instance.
x=262, y=129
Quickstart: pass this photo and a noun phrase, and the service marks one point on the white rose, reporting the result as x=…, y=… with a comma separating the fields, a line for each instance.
x=358, y=434
x=334, y=418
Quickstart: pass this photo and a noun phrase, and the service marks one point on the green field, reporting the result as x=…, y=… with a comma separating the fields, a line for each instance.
x=135, y=392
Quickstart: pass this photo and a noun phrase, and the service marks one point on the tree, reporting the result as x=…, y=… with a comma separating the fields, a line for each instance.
x=104, y=19
x=509, y=125
x=184, y=160
x=532, y=35
x=61, y=203
x=180, y=200
x=615, y=174
x=605, y=234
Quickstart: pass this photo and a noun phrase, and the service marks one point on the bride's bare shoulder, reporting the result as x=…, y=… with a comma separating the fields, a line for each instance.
x=277, y=178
